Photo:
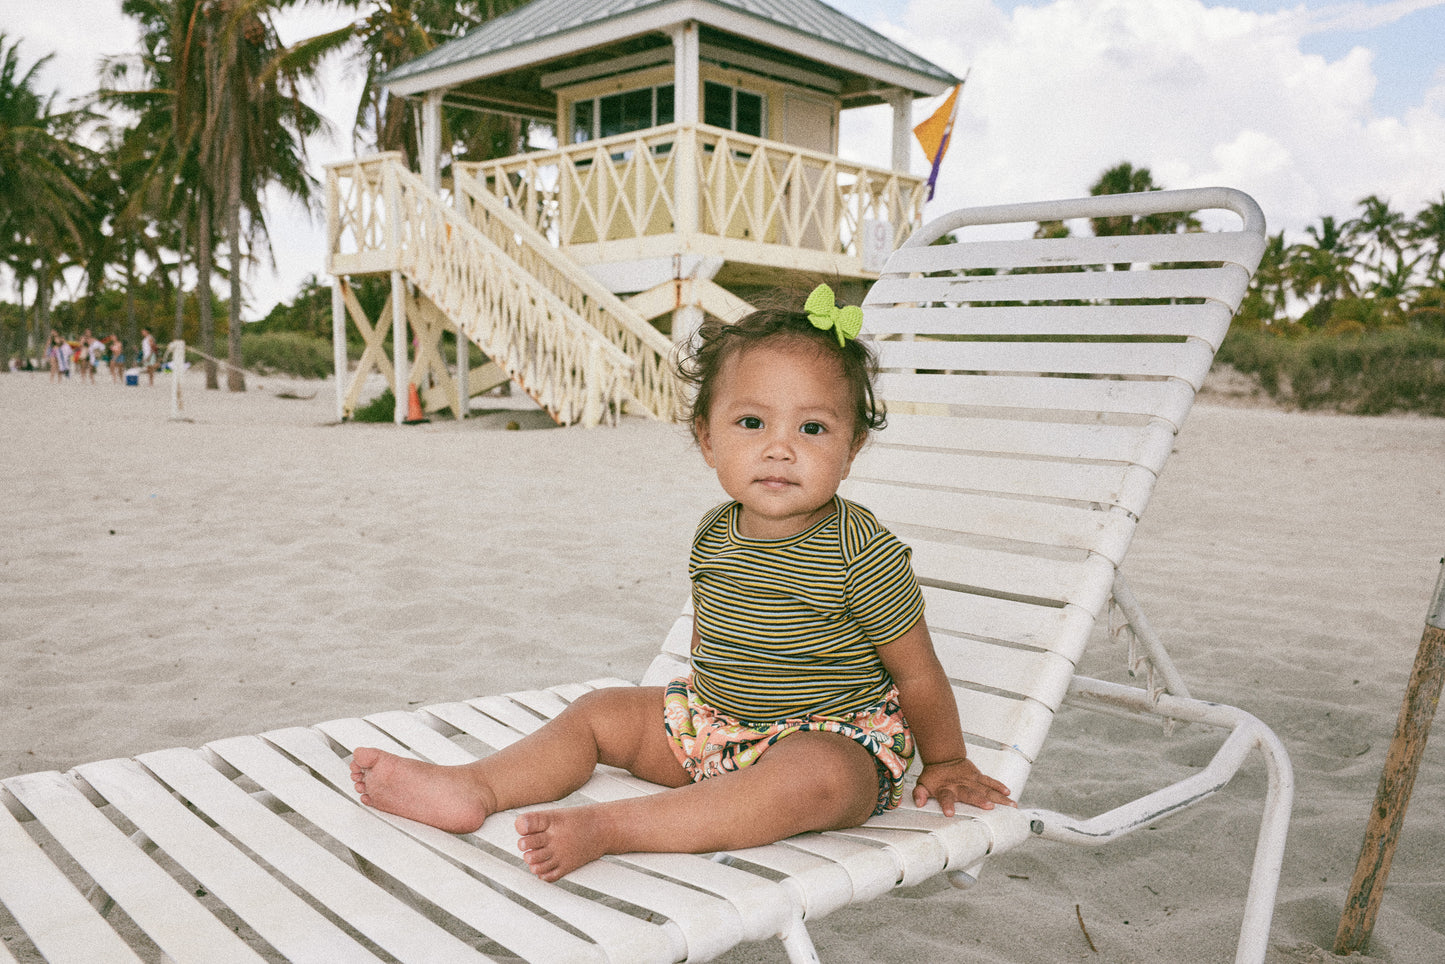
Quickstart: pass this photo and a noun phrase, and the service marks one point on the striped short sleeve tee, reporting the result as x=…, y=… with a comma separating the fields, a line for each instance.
x=790, y=627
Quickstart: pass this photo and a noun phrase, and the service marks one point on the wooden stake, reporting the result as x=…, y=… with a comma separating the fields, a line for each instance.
x=1422, y=696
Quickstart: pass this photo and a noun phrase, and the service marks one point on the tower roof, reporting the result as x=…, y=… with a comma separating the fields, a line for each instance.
x=549, y=30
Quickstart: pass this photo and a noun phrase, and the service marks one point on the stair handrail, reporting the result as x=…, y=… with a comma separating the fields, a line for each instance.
x=654, y=385
x=564, y=363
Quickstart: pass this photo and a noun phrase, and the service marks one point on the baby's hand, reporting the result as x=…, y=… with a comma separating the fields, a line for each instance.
x=952, y=782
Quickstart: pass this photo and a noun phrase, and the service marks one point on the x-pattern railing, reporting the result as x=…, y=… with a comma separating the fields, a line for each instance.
x=564, y=363
x=651, y=384
x=748, y=188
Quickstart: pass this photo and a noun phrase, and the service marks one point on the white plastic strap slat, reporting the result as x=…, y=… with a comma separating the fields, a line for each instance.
x=764, y=907
x=168, y=913
x=474, y=723
x=1189, y=360
x=1006, y=765
x=708, y=925
x=1084, y=583
x=543, y=702
x=704, y=922
x=1038, y=675
x=964, y=838
x=1122, y=485
x=679, y=636
x=1038, y=523
x=1232, y=247
x=1144, y=445
x=504, y=710
x=872, y=871
x=412, y=864
x=1018, y=723
x=623, y=936
x=663, y=669
x=570, y=692
x=917, y=856
x=1169, y=399
x=1207, y=320
x=377, y=915
x=56, y=917
x=823, y=885
x=285, y=921
x=1225, y=285
x=1059, y=630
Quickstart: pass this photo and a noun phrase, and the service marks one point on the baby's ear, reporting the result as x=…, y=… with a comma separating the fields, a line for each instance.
x=704, y=440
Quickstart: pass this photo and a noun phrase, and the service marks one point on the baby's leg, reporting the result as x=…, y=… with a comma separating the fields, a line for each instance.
x=620, y=726
x=808, y=781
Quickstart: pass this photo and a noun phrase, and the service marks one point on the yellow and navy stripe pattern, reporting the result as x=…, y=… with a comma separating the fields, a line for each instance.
x=790, y=627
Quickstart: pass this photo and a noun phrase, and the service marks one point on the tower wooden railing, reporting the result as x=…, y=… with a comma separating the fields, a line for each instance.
x=654, y=192
x=651, y=384
x=381, y=217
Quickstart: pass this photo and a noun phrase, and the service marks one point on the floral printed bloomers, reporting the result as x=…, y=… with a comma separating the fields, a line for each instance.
x=707, y=743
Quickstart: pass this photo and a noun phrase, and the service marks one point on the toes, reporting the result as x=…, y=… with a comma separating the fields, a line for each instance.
x=531, y=823
x=532, y=843
x=365, y=757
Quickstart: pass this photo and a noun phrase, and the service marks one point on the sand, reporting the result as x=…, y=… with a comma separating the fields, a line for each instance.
x=168, y=582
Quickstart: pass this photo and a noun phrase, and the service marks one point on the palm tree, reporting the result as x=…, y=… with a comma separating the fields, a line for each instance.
x=1323, y=268
x=1427, y=230
x=170, y=107
x=395, y=31
x=42, y=207
x=1377, y=234
x=1269, y=288
x=1125, y=178
x=255, y=129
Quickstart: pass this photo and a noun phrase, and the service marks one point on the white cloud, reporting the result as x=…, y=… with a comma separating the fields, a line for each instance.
x=1059, y=91
x=1358, y=16
x=1198, y=94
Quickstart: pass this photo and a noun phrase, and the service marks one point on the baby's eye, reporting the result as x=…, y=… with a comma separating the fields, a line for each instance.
x=812, y=428
x=750, y=421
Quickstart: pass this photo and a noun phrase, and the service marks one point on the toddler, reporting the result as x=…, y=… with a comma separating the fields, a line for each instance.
x=813, y=677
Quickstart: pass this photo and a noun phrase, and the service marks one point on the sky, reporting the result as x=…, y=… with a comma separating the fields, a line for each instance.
x=1307, y=105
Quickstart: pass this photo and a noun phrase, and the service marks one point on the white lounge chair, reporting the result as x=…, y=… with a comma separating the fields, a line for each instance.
x=1035, y=388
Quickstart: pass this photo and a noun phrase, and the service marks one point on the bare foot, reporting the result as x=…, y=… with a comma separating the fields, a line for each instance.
x=454, y=799
x=556, y=842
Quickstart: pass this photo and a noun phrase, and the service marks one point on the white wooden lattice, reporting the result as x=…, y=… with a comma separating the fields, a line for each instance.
x=383, y=218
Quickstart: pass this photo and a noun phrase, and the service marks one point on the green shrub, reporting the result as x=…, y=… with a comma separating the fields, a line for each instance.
x=1362, y=372
x=382, y=408
x=287, y=353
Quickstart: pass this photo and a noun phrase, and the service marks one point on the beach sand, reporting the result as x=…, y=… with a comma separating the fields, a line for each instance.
x=170, y=582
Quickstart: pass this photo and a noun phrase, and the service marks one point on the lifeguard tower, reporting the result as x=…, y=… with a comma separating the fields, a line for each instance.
x=696, y=166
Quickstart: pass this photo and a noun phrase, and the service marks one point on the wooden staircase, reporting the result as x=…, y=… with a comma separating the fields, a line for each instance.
x=573, y=346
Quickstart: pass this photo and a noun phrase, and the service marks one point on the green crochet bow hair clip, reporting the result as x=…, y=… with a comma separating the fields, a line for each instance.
x=824, y=313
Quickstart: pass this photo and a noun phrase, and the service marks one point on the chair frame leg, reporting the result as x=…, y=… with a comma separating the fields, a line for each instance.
x=1247, y=734
x=799, y=944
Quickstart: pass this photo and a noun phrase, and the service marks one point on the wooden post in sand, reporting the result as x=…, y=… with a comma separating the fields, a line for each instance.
x=1422, y=695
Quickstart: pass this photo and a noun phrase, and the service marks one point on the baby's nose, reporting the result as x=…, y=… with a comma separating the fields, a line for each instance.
x=779, y=446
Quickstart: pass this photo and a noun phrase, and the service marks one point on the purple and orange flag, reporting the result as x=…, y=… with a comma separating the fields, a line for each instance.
x=933, y=134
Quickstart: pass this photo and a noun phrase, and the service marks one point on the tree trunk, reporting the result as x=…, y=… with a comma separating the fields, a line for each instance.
x=42, y=300
x=132, y=327
x=235, y=377
x=203, y=290
x=28, y=337
x=179, y=330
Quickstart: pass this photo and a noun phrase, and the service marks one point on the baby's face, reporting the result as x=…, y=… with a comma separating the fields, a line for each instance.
x=780, y=435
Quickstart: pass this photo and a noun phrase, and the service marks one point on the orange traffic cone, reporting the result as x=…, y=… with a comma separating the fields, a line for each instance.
x=414, y=414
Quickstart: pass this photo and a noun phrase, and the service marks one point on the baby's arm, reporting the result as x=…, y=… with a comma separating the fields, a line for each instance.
x=927, y=701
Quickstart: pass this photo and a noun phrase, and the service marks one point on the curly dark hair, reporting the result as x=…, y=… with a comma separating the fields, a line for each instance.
x=701, y=359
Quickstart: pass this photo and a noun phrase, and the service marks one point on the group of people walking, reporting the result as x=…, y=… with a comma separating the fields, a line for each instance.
x=85, y=356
